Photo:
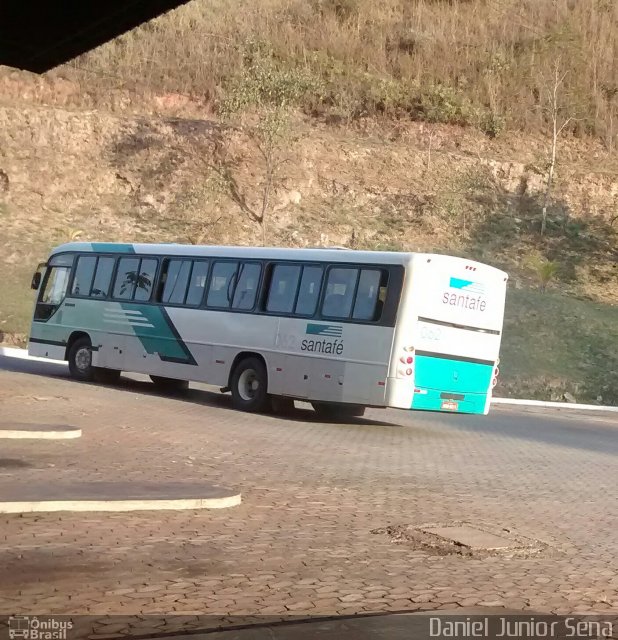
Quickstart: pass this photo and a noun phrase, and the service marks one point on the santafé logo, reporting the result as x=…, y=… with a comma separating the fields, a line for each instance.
x=329, y=338
x=467, y=294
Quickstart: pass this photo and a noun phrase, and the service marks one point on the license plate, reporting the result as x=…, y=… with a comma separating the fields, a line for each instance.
x=450, y=405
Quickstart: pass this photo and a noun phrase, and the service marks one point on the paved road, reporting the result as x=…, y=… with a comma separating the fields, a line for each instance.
x=313, y=492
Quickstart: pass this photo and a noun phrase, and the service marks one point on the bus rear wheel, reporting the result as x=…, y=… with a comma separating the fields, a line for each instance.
x=338, y=411
x=249, y=386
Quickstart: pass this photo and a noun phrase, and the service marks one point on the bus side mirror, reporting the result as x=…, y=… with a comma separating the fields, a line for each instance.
x=36, y=278
x=36, y=281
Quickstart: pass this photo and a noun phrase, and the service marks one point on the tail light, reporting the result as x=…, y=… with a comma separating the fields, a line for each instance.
x=406, y=361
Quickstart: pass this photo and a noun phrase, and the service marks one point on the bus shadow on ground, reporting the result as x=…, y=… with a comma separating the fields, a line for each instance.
x=193, y=395
x=220, y=400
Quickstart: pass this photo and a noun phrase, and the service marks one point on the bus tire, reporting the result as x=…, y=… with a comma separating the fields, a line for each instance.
x=335, y=410
x=170, y=384
x=249, y=386
x=106, y=376
x=80, y=360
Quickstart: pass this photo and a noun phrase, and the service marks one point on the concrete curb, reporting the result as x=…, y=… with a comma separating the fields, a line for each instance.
x=554, y=405
x=22, y=354
x=119, y=505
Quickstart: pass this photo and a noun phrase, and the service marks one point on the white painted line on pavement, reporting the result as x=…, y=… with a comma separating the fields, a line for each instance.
x=120, y=505
x=20, y=434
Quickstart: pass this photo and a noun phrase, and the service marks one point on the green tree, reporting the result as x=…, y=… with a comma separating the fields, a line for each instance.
x=269, y=93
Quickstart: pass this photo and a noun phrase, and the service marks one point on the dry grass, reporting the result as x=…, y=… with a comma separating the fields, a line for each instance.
x=480, y=62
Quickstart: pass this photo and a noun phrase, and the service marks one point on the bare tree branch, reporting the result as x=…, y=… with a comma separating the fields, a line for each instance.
x=554, y=110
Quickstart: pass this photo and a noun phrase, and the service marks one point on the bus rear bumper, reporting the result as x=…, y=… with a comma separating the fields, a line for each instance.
x=436, y=400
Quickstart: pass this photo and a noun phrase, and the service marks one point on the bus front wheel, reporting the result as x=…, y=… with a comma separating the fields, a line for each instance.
x=334, y=410
x=80, y=359
x=249, y=386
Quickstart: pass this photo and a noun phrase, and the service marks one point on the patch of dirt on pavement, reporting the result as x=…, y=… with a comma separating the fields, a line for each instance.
x=419, y=537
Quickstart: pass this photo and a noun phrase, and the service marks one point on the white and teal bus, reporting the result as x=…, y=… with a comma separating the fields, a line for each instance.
x=341, y=329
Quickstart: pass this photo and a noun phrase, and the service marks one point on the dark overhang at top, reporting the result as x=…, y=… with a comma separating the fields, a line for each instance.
x=37, y=36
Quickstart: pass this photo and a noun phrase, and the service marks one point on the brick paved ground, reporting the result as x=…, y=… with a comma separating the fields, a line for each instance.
x=312, y=493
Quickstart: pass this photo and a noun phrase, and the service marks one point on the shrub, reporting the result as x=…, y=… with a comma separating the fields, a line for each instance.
x=544, y=270
x=441, y=103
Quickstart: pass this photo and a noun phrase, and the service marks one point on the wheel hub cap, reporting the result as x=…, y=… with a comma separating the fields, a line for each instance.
x=82, y=359
x=248, y=384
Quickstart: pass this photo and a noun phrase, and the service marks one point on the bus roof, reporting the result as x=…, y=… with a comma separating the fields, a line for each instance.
x=259, y=253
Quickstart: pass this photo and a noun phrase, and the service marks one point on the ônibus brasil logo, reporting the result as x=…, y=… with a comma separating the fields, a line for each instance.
x=469, y=295
x=35, y=628
x=328, y=338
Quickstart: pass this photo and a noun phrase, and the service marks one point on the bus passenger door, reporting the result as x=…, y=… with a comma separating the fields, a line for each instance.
x=48, y=334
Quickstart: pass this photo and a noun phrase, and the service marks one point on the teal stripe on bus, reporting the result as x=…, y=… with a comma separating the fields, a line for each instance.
x=161, y=336
x=112, y=247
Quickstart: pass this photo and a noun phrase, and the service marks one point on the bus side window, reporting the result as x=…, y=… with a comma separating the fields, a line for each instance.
x=175, y=279
x=370, y=295
x=339, y=292
x=102, y=277
x=145, y=279
x=197, y=285
x=84, y=272
x=126, y=277
x=309, y=291
x=221, y=284
x=282, y=290
x=246, y=288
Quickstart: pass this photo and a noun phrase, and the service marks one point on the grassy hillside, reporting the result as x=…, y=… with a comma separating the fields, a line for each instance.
x=555, y=344
x=488, y=63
